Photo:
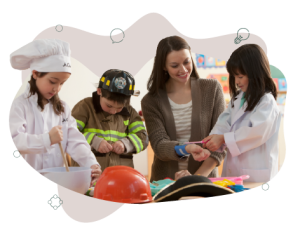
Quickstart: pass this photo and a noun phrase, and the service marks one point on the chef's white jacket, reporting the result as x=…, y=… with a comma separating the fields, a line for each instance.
x=251, y=138
x=30, y=128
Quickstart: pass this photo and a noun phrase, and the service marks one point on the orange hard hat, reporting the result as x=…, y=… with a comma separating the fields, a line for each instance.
x=122, y=184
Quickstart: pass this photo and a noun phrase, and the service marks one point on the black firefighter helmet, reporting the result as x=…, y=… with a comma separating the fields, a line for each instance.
x=118, y=81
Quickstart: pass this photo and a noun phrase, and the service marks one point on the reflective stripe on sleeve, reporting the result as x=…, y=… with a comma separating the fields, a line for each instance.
x=136, y=142
x=89, y=136
x=80, y=125
x=135, y=127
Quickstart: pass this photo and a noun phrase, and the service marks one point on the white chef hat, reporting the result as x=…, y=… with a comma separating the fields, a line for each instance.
x=44, y=55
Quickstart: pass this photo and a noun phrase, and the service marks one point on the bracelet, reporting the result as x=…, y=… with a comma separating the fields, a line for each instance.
x=180, y=150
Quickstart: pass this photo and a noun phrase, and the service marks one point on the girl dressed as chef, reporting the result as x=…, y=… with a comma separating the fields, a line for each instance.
x=39, y=120
x=249, y=126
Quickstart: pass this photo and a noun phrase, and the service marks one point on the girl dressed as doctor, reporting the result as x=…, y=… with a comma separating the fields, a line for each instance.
x=249, y=126
x=39, y=120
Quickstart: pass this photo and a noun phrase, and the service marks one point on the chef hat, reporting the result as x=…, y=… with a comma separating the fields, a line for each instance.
x=45, y=55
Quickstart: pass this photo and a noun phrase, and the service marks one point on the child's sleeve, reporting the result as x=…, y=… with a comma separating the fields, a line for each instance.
x=81, y=114
x=261, y=126
x=26, y=143
x=222, y=125
x=137, y=135
x=77, y=146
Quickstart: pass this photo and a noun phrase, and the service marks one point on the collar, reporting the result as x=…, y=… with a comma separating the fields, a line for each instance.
x=239, y=95
x=98, y=109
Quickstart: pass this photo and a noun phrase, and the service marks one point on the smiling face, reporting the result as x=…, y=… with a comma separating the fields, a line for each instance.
x=179, y=65
x=241, y=81
x=51, y=83
x=109, y=106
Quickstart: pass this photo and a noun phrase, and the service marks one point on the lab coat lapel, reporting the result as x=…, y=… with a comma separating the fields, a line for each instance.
x=238, y=112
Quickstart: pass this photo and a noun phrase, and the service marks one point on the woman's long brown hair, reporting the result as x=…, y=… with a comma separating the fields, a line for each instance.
x=159, y=77
x=55, y=101
x=251, y=60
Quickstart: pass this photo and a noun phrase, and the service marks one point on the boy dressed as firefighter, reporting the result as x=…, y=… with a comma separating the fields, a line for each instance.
x=109, y=123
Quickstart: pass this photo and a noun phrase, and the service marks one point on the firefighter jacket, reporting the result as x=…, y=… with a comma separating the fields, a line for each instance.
x=126, y=126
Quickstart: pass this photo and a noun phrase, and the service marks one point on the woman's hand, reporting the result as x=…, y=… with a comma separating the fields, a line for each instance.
x=214, y=142
x=104, y=147
x=96, y=172
x=181, y=174
x=118, y=147
x=198, y=153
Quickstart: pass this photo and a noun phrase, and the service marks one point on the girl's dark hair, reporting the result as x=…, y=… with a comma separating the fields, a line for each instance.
x=251, y=60
x=55, y=101
x=159, y=77
x=116, y=97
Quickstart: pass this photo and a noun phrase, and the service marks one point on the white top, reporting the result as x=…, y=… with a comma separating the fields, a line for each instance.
x=183, y=117
x=30, y=132
x=251, y=138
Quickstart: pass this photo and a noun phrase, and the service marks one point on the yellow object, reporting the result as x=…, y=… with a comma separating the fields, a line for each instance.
x=102, y=79
x=130, y=87
x=224, y=182
x=107, y=83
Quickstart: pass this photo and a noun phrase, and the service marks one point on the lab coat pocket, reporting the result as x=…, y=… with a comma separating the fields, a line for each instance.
x=257, y=175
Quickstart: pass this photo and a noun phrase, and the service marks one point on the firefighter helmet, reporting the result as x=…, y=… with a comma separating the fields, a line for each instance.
x=118, y=81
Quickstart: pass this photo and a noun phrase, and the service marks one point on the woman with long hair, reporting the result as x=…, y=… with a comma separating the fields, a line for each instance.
x=180, y=107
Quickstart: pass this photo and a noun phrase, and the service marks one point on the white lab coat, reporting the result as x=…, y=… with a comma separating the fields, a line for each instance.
x=30, y=128
x=251, y=138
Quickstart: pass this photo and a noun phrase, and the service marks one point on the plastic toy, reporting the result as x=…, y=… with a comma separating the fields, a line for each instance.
x=237, y=188
x=236, y=180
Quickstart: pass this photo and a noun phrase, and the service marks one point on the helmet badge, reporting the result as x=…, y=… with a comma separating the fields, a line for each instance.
x=120, y=83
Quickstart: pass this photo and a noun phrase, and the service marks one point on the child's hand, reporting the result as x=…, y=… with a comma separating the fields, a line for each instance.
x=104, y=147
x=118, y=147
x=96, y=172
x=56, y=135
x=214, y=142
x=198, y=153
x=181, y=174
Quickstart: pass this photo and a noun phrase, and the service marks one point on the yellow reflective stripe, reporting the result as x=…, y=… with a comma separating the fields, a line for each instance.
x=136, y=142
x=89, y=136
x=135, y=123
x=80, y=124
x=126, y=122
x=105, y=133
x=136, y=126
x=110, y=138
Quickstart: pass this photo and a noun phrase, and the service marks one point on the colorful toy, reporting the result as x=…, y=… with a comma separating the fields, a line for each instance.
x=237, y=188
x=236, y=180
x=224, y=182
x=229, y=184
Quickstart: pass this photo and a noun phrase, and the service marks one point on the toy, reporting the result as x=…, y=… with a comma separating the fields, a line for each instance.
x=229, y=184
x=237, y=188
x=224, y=182
x=236, y=180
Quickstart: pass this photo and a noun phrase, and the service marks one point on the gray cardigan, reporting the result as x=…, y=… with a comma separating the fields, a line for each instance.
x=208, y=104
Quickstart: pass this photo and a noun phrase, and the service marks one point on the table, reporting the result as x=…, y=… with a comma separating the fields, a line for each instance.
x=246, y=185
